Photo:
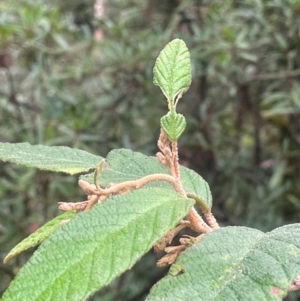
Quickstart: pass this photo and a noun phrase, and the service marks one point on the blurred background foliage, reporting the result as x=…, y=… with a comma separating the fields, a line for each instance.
x=78, y=74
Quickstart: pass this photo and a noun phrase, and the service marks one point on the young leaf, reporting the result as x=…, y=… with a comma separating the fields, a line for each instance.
x=96, y=246
x=39, y=235
x=53, y=158
x=235, y=263
x=126, y=165
x=172, y=70
x=173, y=124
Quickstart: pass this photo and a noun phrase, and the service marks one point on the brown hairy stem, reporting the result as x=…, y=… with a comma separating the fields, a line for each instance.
x=169, y=158
x=197, y=223
x=68, y=206
x=176, y=160
x=167, y=239
x=127, y=186
x=172, y=254
x=166, y=155
x=92, y=201
x=211, y=220
x=190, y=240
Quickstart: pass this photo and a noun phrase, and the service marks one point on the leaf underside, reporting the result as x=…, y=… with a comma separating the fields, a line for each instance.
x=235, y=263
x=126, y=165
x=53, y=158
x=172, y=70
x=97, y=246
x=39, y=235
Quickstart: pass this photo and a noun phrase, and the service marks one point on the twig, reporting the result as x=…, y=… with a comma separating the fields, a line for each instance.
x=169, y=158
x=296, y=285
x=68, y=206
x=128, y=186
x=197, y=223
x=167, y=239
x=211, y=220
x=92, y=201
x=278, y=75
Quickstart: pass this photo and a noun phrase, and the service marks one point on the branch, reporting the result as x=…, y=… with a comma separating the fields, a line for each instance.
x=277, y=75
x=127, y=186
x=169, y=158
x=197, y=222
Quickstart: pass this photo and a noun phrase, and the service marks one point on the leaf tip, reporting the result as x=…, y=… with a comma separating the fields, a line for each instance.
x=7, y=258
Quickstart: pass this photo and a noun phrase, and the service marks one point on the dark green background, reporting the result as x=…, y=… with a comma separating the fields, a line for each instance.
x=60, y=86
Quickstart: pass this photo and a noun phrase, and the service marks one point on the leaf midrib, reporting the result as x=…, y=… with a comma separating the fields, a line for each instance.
x=114, y=233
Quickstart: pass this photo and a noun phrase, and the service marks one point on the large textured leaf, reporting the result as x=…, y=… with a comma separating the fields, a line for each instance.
x=39, y=235
x=96, y=246
x=126, y=165
x=195, y=184
x=235, y=263
x=54, y=158
x=172, y=70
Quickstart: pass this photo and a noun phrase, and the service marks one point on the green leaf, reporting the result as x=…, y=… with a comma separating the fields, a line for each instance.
x=126, y=165
x=97, y=246
x=173, y=124
x=54, y=158
x=39, y=235
x=235, y=263
x=248, y=56
x=172, y=70
x=195, y=184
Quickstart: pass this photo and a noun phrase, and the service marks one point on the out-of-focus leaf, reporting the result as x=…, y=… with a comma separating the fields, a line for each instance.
x=61, y=41
x=277, y=177
x=279, y=110
x=248, y=56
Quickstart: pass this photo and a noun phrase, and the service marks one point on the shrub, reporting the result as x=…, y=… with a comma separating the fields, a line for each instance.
x=135, y=202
